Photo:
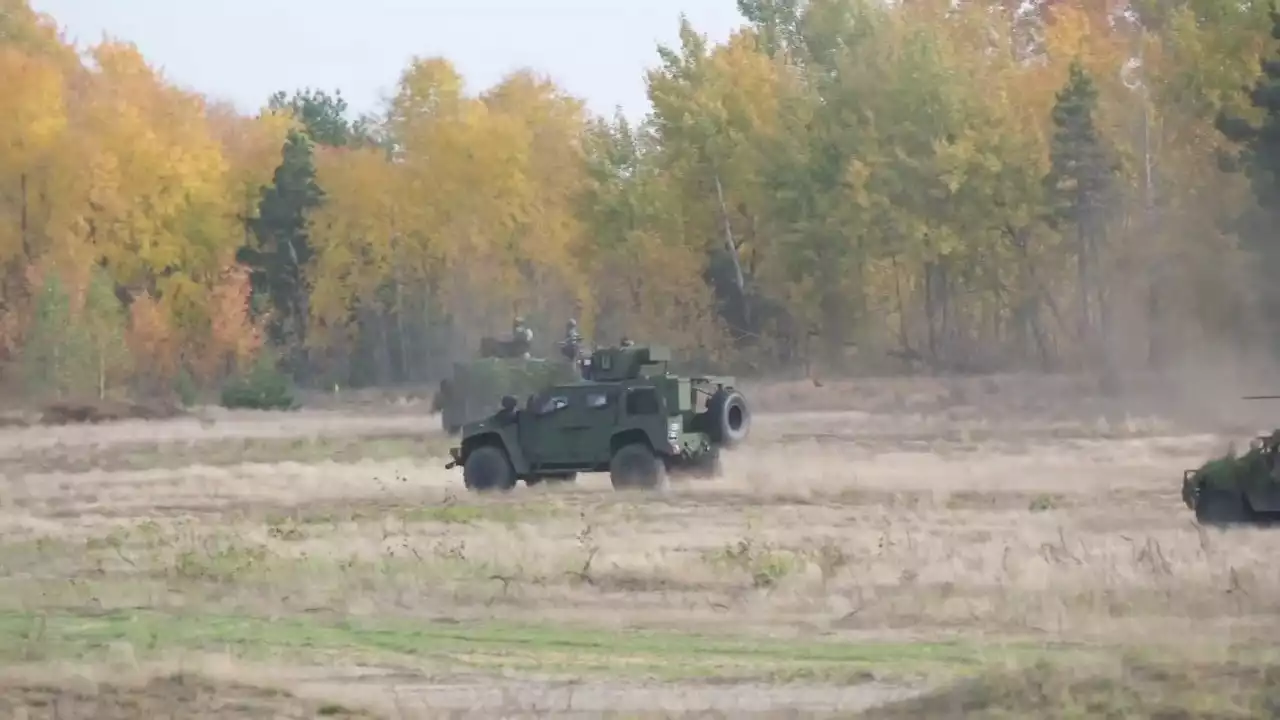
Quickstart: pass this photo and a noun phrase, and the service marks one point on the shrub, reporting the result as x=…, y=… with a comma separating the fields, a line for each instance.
x=264, y=387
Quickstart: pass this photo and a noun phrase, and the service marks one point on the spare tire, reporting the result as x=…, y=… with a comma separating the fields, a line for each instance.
x=449, y=419
x=441, y=398
x=730, y=417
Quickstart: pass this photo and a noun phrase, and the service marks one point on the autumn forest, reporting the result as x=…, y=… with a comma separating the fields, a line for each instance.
x=972, y=186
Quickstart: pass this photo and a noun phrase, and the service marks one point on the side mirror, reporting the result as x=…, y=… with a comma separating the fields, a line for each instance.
x=509, y=402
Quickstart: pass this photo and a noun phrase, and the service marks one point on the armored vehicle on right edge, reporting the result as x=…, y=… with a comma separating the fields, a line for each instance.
x=1236, y=489
x=629, y=416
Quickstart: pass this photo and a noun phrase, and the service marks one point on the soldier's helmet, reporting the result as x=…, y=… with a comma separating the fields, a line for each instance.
x=626, y=341
x=519, y=321
x=573, y=323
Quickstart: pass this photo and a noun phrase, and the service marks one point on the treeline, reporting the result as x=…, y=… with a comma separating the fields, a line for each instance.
x=973, y=185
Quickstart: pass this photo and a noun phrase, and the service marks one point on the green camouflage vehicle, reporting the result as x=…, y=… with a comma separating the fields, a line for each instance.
x=1235, y=489
x=477, y=387
x=629, y=417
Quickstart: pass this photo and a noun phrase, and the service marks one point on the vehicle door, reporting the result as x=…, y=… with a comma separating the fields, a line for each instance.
x=549, y=437
x=599, y=421
x=645, y=410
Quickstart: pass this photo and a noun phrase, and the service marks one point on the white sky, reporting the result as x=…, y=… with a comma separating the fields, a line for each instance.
x=244, y=50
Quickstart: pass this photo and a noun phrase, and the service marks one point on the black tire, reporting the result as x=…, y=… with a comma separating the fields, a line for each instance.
x=730, y=417
x=445, y=404
x=1220, y=508
x=487, y=468
x=441, y=397
x=635, y=466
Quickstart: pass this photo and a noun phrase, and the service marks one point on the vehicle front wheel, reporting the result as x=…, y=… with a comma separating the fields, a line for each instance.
x=636, y=466
x=487, y=468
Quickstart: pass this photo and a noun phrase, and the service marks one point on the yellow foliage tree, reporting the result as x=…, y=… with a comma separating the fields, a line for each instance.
x=163, y=206
x=474, y=214
x=870, y=172
x=33, y=109
x=351, y=235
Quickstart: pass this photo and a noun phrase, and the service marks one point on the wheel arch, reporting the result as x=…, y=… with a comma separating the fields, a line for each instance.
x=499, y=440
x=622, y=438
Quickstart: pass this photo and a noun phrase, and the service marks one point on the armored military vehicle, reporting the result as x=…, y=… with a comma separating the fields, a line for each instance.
x=629, y=416
x=1235, y=489
x=476, y=387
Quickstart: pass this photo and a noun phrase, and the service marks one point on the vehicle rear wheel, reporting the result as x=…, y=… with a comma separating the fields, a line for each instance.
x=1221, y=507
x=487, y=468
x=635, y=466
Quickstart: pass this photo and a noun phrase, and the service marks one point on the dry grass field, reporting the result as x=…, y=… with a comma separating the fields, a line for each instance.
x=999, y=547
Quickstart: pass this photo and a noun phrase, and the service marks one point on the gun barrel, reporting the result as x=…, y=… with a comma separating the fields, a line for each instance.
x=1261, y=397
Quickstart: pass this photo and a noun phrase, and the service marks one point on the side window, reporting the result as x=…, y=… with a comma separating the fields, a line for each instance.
x=552, y=404
x=597, y=400
x=642, y=401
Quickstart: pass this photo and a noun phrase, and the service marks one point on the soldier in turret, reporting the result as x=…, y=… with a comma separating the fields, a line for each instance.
x=571, y=345
x=521, y=338
x=627, y=342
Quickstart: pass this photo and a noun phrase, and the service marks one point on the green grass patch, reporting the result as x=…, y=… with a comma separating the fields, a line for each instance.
x=222, y=452
x=497, y=646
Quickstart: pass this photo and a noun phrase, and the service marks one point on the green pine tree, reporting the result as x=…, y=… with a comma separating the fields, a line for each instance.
x=1258, y=157
x=1079, y=186
x=279, y=249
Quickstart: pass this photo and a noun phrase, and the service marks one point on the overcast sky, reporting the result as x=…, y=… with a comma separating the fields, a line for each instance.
x=244, y=50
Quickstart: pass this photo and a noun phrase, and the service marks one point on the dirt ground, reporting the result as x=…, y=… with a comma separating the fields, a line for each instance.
x=877, y=543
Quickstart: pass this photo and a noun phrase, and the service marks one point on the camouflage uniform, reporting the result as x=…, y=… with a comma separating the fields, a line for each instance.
x=1271, y=452
x=572, y=343
x=521, y=338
